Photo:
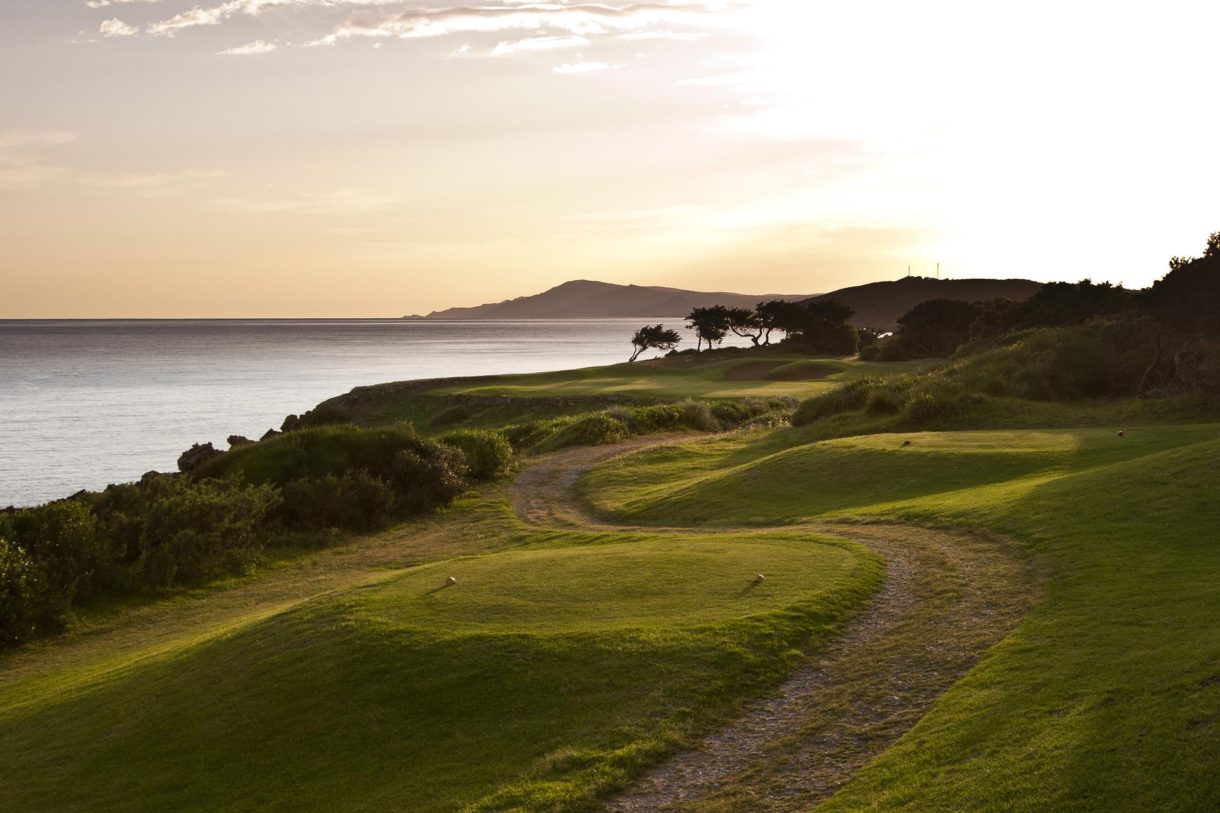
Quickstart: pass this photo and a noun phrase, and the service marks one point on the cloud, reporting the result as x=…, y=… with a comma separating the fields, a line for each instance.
x=108, y=3
x=584, y=67
x=539, y=44
x=250, y=48
x=117, y=28
x=678, y=36
x=579, y=19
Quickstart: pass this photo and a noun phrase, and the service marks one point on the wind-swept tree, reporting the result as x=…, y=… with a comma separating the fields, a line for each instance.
x=769, y=315
x=710, y=324
x=745, y=323
x=654, y=337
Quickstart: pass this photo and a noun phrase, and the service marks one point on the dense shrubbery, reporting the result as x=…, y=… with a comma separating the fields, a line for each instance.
x=618, y=423
x=169, y=530
x=488, y=454
x=1097, y=360
x=162, y=531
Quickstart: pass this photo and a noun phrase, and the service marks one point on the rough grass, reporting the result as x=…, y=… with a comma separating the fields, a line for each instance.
x=1108, y=696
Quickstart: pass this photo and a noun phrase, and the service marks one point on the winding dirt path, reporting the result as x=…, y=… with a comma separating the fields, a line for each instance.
x=948, y=596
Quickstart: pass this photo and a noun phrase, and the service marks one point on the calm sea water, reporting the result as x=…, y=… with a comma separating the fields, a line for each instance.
x=87, y=403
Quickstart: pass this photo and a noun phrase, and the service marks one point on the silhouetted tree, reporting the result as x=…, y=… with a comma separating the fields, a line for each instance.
x=710, y=324
x=1188, y=297
x=768, y=315
x=745, y=323
x=932, y=329
x=817, y=326
x=1072, y=303
x=654, y=337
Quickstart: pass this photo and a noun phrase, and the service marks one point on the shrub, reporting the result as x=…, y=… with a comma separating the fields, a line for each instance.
x=698, y=415
x=527, y=435
x=847, y=398
x=23, y=594
x=451, y=415
x=655, y=418
x=63, y=539
x=488, y=454
x=735, y=413
x=884, y=400
x=591, y=430
x=172, y=530
x=354, y=500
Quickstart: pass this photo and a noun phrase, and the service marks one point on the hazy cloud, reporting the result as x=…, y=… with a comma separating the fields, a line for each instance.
x=539, y=44
x=117, y=28
x=584, y=67
x=251, y=48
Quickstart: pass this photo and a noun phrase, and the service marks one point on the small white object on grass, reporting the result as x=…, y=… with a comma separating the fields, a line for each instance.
x=760, y=577
x=450, y=580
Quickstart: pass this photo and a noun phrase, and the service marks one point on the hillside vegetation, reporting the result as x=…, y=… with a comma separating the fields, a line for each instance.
x=992, y=570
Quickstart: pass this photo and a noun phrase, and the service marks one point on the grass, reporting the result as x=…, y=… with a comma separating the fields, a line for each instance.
x=761, y=373
x=1107, y=697
x=506, y=690
x=561, y=663
x=496, y=402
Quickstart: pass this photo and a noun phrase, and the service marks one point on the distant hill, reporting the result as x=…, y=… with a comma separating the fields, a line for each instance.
x=587, y=299
x=880, y=304
x=877, y=304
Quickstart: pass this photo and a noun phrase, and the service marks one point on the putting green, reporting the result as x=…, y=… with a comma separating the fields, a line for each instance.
x=684, y=581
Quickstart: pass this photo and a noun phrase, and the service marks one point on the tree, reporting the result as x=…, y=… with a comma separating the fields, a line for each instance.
x=710, y=324
x=817, y=326
x=654, y=337
x=745, y=323
x=933, y=329
x=768, y=315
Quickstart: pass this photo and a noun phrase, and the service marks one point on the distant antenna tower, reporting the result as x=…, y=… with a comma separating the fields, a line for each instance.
x=938, y=270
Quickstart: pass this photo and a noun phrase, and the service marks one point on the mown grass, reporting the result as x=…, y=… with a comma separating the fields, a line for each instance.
x=543, y=677
x=722, y=374
x=1108, y=696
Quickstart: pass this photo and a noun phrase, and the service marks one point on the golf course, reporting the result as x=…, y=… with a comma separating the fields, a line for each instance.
x=840, y=615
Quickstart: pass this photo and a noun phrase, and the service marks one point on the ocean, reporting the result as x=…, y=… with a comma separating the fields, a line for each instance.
x=87, y=403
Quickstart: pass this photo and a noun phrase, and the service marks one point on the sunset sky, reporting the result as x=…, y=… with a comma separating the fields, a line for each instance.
x=382, y=157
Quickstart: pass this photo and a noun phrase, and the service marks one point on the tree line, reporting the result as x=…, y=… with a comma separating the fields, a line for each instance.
x=814, y=326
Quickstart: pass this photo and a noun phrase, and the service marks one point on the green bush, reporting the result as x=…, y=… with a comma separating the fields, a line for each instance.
x=63, y=539
x=353, y=500
x=656, y=418
x=590, y=430
x=423, y=474
x=884, y=400
x=488, y=454
x=173, y=530
x=698, y=415
x=847, y=398
x=527, y=435
x=23, y=594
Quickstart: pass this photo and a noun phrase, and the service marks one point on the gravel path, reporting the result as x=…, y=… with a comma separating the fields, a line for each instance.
x=946, y=598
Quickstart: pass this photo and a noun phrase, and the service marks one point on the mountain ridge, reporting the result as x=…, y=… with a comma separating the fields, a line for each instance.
x=877, y=304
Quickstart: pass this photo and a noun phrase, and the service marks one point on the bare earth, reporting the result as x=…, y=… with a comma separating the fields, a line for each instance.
x=947, y=597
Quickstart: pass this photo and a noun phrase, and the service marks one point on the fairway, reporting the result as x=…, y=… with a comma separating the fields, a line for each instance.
x=540, y=678
x=1112, y=678
x=672, y=582
x=761, y=373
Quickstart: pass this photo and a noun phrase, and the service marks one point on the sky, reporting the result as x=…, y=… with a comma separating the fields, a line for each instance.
x=282, y=158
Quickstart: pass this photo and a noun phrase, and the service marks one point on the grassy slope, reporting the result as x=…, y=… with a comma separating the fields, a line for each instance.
x=399, y=693
x=1108, y=695
x=692, y=376
x=493, y=402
